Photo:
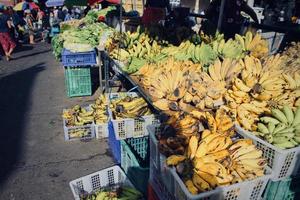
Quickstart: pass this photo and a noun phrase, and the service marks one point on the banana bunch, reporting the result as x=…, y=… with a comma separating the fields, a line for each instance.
x=201, y=53
x=77, y=116
x=79, y=133
x=228, y=49
x=291, y=58
x=122, y=192
x=289, y=97
x=281, y=128
x=129, y=107
x=248, y=113
x=263, y=82
x=247, y=161
x=99, y=110
x=256, y=46
x=214, y=160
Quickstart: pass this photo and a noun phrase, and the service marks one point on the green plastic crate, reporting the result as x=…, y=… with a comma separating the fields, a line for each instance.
x=278, y=190
x=135, y=161
x=78, y=81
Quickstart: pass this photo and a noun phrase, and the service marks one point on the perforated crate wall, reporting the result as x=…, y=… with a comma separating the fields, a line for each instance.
x=101, y=130
x=78, y=59
x=78, y=81
x=251, y=190
x=283, y=162
x=95, y=181
x=89, y=129
x=131, y=128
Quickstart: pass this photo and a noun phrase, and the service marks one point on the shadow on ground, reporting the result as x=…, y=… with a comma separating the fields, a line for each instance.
x=15, y=90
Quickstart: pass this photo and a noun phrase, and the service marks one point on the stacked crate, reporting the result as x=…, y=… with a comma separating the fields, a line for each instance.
x=78, y=72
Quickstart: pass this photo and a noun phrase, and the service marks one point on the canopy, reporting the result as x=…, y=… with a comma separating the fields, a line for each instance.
x=52, y=3
x=6, y=3
x=26, y=5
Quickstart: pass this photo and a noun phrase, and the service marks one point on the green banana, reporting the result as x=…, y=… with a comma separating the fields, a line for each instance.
x=262, y=128
x=294, y=142
x=287, y=130
x=284, y=145
x=297, y=139
x=297, y=117
x=271, y=127
x=288, y=113
x=278, y=114
x=269, y=119
x=279, y=128
x=279, y=139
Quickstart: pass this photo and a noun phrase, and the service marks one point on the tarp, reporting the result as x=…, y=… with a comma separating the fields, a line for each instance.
x=52, y=3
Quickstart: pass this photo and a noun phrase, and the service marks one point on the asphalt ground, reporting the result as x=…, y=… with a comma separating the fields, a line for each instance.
x=35, y=160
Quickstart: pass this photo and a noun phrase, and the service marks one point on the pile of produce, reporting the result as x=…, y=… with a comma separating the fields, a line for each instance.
x=208, y=158
x=291, y=58
x=131, y=48
x=93, y=15
x=57, y=43
x=79, y=116
x=99, y=109
x=135, y=49
x=84, y=38
x=118, y=193
x=281, y=128
x=129, y=107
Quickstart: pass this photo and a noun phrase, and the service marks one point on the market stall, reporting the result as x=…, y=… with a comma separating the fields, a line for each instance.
x=209, y=117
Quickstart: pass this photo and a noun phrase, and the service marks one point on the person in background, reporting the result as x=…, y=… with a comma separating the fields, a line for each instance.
x=6, y=41
x=86, y=10
x=39, y=18
x=55, y=12
x=29, y=26
x=232, y=19
x=60, y=15
x=68, y=15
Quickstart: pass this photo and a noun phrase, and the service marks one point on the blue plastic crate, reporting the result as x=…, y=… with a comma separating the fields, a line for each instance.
x=79, y=59
x=114, y=144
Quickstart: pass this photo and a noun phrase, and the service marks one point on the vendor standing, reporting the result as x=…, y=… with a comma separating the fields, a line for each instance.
x=232, y=19
x=155, y=11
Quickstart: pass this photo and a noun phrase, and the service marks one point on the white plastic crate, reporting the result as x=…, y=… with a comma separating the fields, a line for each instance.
x=274, y=40
x=155, y=179
x=283, y=162
x=172, y=182
x=250, y=190
x=98, y=180
x=131, y=128
x=101, y=130
x=158, y=160
x=89, y=129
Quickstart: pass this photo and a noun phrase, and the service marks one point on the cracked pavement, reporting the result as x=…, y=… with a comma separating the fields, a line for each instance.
x=36, y=162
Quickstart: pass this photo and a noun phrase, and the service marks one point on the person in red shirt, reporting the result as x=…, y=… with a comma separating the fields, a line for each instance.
x=6, y=41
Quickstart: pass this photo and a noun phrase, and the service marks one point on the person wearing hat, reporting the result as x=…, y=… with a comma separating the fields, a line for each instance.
x=29, y=25
x=6, y=41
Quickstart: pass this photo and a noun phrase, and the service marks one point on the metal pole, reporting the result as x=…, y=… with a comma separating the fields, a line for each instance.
x=121, y=15
x=221, y=15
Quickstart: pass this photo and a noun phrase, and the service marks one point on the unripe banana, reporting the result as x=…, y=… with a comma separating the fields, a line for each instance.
x=279, y=115
x=267, y=120
x=297, y=117
x=271, y=127
x=288, y=113
x=279, y=128
x=262, y=128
